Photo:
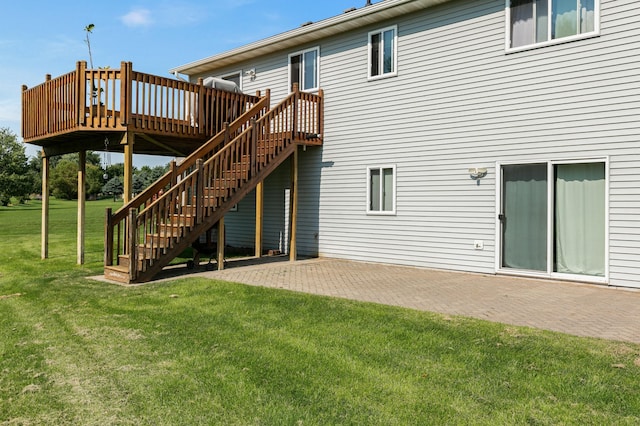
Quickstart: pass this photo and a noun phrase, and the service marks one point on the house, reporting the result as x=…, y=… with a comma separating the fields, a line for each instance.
x=488, y=136
x=482, y=136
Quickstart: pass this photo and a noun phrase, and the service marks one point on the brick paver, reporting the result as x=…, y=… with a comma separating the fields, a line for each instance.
x=578, y=309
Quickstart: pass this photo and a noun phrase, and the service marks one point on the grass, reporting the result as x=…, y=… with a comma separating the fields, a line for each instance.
x=196, y=351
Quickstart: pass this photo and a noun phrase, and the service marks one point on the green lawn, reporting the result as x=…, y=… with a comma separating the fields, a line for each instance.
x=195, y=351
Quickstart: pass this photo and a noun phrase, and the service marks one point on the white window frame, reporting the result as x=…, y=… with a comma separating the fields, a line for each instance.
x=549, y=42
x=302, y=53
x=382, y=74
x=238, y=73
x=550, y=219
x=394, y=175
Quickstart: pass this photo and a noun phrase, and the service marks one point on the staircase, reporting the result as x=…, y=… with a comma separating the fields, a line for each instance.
x=146, y=234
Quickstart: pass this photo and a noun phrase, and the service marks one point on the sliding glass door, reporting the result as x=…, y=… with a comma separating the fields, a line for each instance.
x=524, y=217
x=553, y=218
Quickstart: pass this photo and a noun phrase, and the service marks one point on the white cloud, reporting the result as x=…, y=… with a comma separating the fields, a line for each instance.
x=137, y=18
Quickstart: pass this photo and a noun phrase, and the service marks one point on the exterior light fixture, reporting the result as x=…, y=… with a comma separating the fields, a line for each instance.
x=477, y=173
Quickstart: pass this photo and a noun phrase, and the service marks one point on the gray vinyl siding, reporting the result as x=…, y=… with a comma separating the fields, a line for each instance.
x=240, y=225
x=460, y=101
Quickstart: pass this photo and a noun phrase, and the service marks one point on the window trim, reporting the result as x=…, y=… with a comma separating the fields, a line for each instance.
x=238, y=73
x=551, y=42
x=394, y=175
x=382, y=75
x=550, y=212
x=302, y=53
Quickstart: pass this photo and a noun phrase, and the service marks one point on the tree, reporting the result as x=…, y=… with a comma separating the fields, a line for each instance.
x=88, y=30
x=64, y=176
x=95, y=180
x=114, y=170
x=15, y=179
x=64, y=179
x=113, y=187
x=138, y=184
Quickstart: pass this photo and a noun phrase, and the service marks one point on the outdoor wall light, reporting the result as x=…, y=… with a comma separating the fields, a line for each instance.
x=477, y=173
x=251, y=74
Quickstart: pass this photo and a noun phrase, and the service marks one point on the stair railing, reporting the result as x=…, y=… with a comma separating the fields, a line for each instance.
x=117, y=239
x=211, y=184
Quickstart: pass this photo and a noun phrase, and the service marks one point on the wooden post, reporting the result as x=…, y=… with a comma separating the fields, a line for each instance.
x=82, y=179
x=259, y=217
x=25, y=114
x=199, y=192
x=48, y=101
x=294, y=124
x=127, y=141
x=221, y=244
x=45, y=206
x=132, y=244
x=254, y=148
x=81, y=92
x=125, y=89
x=108, y=238
x=174, y=172
x=293, y=223
x=227, y=134
x=321, y=113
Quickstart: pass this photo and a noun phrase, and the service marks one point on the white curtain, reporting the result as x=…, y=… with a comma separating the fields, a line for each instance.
x=587, y=16
x=522, y=23
x=565, y=18
x=580, y=219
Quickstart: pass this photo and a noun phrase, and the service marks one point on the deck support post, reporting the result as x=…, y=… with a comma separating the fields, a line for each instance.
x=82, y=179
x=293, y=252
x=127, y=141
x=221, y=240
x=45, y=207
x=259, y=217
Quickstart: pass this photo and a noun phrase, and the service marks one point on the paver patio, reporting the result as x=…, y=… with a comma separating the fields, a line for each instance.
x=573, y=308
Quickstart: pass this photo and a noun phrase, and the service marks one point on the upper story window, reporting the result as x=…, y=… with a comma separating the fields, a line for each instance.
x=381, y=195
x=304, y=69
x=235, y=77
x=383, y=57
x=533, y=22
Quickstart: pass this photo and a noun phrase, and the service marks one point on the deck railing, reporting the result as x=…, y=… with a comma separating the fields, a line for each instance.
x=121, y=99
x=160, y=218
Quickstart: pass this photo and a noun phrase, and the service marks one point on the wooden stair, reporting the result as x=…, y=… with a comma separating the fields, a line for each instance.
x=144, y=236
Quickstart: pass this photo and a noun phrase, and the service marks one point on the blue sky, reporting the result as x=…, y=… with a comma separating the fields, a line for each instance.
x=39, y=37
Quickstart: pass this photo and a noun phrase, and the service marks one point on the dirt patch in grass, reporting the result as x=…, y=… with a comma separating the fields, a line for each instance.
x=8, y=296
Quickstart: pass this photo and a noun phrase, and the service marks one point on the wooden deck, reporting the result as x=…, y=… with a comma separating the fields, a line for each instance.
x=78, y=110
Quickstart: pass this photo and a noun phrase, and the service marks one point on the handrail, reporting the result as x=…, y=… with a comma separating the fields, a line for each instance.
x=124, y=99
x=49, y=108
x=191, y=160
x=206, y=149
x=162, y=218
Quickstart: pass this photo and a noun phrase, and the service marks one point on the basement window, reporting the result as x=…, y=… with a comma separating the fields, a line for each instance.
x=381, y=192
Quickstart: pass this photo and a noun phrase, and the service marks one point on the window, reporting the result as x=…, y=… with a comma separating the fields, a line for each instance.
x=382, y=52
x=534, y=22
x=381, y=197
x=235, y=77
x=304, y=69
